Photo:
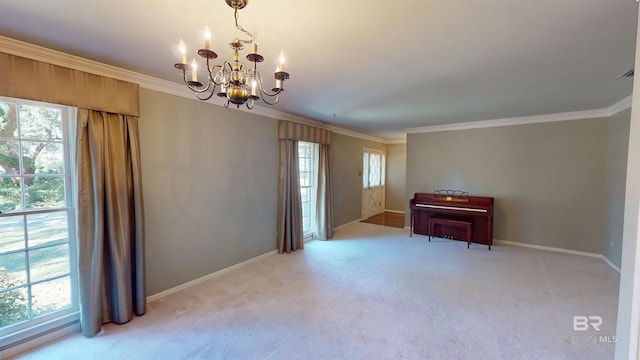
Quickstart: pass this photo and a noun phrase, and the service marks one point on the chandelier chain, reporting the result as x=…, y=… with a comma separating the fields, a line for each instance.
x=239, y=27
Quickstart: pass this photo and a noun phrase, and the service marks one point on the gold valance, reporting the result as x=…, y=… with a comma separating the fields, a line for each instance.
x=35, y=80
x=301, y=132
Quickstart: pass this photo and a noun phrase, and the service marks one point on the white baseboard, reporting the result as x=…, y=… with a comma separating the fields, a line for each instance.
x=611, y=264
x=394, y=211
x=347, y=224
x=547, y=248
x=191, y=283
x=561, y=250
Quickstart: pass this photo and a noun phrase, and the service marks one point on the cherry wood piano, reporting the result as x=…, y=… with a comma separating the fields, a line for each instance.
x=453, y=214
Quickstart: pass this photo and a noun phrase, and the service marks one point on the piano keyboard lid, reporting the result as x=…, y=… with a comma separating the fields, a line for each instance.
x=450, y=207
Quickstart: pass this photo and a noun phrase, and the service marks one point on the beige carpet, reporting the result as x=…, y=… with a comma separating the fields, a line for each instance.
x=375, y=293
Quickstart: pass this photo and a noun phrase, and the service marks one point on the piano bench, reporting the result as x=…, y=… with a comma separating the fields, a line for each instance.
x=468, y=226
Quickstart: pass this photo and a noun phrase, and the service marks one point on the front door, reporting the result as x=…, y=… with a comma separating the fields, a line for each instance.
x=373, y=182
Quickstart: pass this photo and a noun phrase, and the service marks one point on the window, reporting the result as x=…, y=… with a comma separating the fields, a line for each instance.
x=373, y=168
x=308, y=169
x=37, y=269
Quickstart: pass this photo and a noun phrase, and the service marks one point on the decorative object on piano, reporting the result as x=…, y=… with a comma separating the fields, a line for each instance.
x=453, y=215
x=452, y=195
x=234, y=81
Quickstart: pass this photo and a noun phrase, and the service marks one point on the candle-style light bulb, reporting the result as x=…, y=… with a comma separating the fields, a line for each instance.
x=254, y=84
x=182, y=47
x=255, y=42
x=207, y=37
x=278, y=82
x=194, y=70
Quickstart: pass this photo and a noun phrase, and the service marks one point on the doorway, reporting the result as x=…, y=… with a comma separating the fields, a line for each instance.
x=373, y=182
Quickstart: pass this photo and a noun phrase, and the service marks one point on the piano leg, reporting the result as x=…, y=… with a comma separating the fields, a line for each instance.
x=411, y=224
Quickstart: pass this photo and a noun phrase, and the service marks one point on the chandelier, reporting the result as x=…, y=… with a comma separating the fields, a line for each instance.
x=236, y=82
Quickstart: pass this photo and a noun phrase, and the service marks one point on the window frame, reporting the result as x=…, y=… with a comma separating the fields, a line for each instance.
x=22, y=331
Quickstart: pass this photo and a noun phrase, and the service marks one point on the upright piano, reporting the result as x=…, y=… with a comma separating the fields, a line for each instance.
x=439, y=214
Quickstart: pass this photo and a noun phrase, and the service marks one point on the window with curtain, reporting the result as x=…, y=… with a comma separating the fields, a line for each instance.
x=37, y=243
x=308, y=171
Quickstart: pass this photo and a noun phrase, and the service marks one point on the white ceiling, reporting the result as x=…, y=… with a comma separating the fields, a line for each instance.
x=374, y=66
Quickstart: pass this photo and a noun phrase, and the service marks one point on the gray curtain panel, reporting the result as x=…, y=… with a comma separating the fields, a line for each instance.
x=110, y=220
x=289, y=202
x=324, y=200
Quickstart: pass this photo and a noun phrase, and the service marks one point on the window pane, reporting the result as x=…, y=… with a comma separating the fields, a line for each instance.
x=50, y=296
x=383, y=170
x=13, y=304
x=44, y=192
x=8, y=120
x=40, y=123
x=15, y=268
x=9, y=157
x=10, y=194
x=307, y=153
x=374, y=170
x=42, y=158
x=12, y=230
x=49, y=262
x=47, y=228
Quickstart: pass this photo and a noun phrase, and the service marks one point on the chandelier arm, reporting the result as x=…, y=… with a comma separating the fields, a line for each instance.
x=206, y=97
x=226, y=63
x=194, y=88
x=271, y=103
x=212, y=71
x=258, y=75
x=265, y=92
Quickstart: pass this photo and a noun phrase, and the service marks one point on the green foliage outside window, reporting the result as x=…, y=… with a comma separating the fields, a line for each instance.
x=13, y=303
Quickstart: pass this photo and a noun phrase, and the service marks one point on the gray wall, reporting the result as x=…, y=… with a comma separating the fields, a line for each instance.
x=346, y=155
x=616, y=183
x=210, y=182
x=210, y=178
x=548, y=179
x=396, y=177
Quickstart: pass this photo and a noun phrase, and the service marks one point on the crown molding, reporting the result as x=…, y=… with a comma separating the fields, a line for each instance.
x=356, y=134
x=524, y=120
x=535, y=119
x=620, y=106
x=39, y=53
x=399, y=141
